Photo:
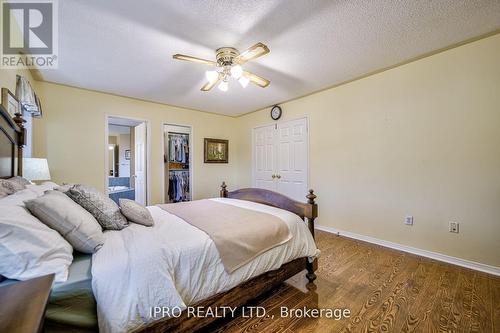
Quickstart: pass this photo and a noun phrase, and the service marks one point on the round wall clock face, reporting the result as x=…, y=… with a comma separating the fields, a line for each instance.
x=276, y=112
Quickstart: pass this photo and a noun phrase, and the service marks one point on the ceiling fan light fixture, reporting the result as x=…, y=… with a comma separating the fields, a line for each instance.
x=228, y=64
x=243, y=81
x=212, y=76
x=223, y=86
x=236, y=71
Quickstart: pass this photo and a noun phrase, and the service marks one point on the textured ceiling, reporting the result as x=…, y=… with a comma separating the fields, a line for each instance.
x=125, y=47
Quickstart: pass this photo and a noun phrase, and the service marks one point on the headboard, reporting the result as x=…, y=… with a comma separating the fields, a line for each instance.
x=12, y=136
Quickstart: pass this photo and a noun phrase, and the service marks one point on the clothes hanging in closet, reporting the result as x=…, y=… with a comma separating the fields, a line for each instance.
x=178, y=148
x=178, y=186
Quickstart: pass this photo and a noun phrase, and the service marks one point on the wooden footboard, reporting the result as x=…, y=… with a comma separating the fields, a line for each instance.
x=255, y=287
x=307, y=211
x=236, y=297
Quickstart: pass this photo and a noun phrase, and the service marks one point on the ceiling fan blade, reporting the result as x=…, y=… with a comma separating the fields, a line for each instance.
x=253, y=52
x=210, y=85
x=258, y=80
x=194, y=59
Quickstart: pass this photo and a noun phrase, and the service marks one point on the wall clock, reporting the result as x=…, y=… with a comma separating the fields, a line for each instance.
x=276, y=112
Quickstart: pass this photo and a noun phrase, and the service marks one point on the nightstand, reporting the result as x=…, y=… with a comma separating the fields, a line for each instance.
x=23, y=305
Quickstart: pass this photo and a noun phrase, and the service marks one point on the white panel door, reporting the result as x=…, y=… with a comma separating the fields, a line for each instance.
x=292, y=173
x=140, y=163
x=265, y=157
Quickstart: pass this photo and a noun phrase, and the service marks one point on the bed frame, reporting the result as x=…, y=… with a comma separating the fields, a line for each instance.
x=259, y=285
x=12, y=140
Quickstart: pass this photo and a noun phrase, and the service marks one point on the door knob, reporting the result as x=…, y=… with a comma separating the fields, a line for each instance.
x=278, y=176
x=273, y=176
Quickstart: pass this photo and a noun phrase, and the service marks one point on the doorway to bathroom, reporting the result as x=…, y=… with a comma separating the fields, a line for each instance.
x=127, y=159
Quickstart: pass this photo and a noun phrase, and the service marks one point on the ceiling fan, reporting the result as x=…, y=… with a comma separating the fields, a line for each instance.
x=228, y=64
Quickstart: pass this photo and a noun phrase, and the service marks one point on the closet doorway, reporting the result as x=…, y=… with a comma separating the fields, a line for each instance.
x=127, y=159
x=281, y=158
x=178, y=162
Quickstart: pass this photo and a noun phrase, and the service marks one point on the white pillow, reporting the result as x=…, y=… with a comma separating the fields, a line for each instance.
x=18, y=198
x=57, y=211
x=40, y=189
x=28, y=248
x=29, y=193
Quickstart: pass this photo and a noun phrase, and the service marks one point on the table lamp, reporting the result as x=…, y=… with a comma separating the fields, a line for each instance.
x=36, y=169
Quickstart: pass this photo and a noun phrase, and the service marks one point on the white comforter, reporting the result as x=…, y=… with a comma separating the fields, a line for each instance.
x=174, y=264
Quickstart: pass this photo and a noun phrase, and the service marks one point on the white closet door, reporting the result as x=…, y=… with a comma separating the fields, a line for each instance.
x=265, y=157
x=140, y=163
x=292, y=163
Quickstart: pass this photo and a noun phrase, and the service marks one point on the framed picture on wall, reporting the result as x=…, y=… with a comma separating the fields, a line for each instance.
x=10, y=102
x=216, y=151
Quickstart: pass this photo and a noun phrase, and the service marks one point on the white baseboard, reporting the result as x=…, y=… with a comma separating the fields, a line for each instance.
x=424, y=253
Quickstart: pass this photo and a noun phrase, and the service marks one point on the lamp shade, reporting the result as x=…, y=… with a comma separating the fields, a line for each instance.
x=36, y=169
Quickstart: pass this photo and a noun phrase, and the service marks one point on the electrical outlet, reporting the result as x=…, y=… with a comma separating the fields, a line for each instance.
x=454, y=227
x=409, y=220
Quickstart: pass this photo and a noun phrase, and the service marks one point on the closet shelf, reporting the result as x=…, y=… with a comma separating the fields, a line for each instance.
x=176, y=133
x=178, y=169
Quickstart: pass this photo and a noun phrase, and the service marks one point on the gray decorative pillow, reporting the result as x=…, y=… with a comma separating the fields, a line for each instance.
x=105, y=210
x=135, y=212
x=8, y=186
x=74, y=223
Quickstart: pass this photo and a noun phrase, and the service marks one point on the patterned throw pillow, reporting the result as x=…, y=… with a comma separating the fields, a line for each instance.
x=105, y=210
x=8, y=186
x=135, y=212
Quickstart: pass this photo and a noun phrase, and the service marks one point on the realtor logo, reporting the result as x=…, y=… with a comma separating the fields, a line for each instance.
x=29, y=34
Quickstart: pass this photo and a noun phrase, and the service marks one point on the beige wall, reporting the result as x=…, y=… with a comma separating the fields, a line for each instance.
x=73, y=127
x=422, y=139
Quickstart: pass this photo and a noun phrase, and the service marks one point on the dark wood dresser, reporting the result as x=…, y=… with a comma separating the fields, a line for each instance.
x=22, y=305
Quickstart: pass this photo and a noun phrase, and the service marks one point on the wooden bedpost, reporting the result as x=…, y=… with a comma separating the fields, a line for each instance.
x=311, y=266
x=314, y=210
x=223, y=190
x=19, y=120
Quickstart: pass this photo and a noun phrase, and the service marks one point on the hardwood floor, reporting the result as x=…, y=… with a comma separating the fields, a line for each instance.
x=384, y=289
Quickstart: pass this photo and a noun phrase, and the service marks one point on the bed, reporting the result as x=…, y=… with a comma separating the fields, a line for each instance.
x=74, y=304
